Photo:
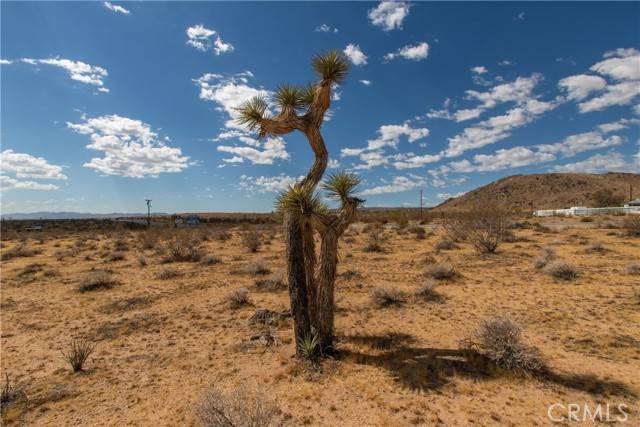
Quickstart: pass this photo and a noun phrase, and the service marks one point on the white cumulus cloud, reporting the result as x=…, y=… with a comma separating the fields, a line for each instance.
x=389, y=14
x=398, y=184
x=416, y=52
x=203, y=39
x=116, y=8
x=22, y=166
x=355, y=55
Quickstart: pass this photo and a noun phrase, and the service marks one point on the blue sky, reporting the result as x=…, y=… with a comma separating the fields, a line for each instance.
x=107, y=104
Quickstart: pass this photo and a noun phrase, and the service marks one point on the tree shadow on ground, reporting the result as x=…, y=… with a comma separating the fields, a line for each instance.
x=430, y=369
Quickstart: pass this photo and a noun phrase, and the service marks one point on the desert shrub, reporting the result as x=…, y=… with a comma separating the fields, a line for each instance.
x=375, y=242
x=486, y=227
x=149, y=239
x=500, y=340
x=258, y=269
x=183, y=247
x=270, y=284
x=607, y=197
x=251, y=241
x=418, y=231
x=266, y=317
x=445, y=244
x=428, y=291
x=548, y=255
x=238, y=297
x=561, y=270
x=597, y=247
x=222, y=235
x=631, y=225
x=9, y=395
x=309, y=346
x=586, y=219
x=120, y=245
x=20, y=251
x=453, y=227
x=31, y=269
x=210, y=260
x=633, y=268
x=241, y=408
x=78, y=353
x=167, y=273
x=142, y=261
x=97, y=280
x=384, y=297
x=115, y=256
x=541, y=228
x=441, y=271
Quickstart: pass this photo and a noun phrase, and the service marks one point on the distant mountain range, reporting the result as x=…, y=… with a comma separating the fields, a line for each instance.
x=74, y=215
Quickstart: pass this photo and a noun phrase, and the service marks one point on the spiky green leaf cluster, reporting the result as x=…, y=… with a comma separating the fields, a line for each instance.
x=341, y=185
x=252, y=112
x=300, y=201
x=289, y=97
x=332, y=66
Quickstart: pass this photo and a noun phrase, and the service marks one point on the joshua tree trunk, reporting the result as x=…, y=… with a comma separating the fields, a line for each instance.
x=311, y=281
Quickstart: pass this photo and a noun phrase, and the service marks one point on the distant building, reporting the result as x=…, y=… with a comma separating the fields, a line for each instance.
x=583, y=211
x=192, y=220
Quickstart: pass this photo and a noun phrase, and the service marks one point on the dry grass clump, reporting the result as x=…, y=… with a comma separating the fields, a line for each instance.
x=548, y=255
x=97, y=280
x=31, y=269
x=499, y=339
x=120, y=245
x=385, y=297
x=418, y=231
x=115, y=256
x=238, y=297
x=428, y=291
x=183, y=247
x=251, y=240
x=562, y=270
x=78, y=353
x=442, y=271
x=9, y=395
x=633, y=268
x=241, y=408
x=258, y=269
x=221, y=235
x=149, y=239
x=486, y=228
x=20, y=251
x=210, y=260
x=596, y=247
x=375, y=242
x=270, y=284
x=167, y=273
x=631, y=225
x=445, y=244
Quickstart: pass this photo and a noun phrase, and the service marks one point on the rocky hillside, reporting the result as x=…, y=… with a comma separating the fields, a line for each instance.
x=546, y=191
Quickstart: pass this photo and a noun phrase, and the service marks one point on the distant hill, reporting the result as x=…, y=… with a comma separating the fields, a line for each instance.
x=74, y=215
x=545, y=191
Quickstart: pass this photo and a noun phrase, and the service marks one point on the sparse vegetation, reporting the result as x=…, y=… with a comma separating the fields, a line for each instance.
x=252, y=241
x=20, y=251
x=96, y=280
x=375, y=242
x=561, y=270
x=384, y=297
x=631, y=225
x=270, y=284
x=210, y=260
x=183, y=246
x=238, y=297
x=428, y=291
x=548, y=255
x=78, y=353
x=442, y=271
x=445, y=244
x=258, y=269
x=606, y=197
x=240, y=408
x=634, y=268
x=500, y=340
x=167, y=273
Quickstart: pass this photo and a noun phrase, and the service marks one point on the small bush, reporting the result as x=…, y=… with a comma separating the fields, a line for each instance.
x=210, y=260
x=631, y=225
x=149, y=239
x=9, y=395
x=384, y=297
x=241, y=408
x=499, y=339
x=183, y=247
x=258, y=269
x=419, y=232
x=115, y=256
x=20, y=251
x=562, y=271
x=222, y=235
x=606, y=198
x=167, y=273
x=442, y=271
x=596, y=247
x=78, y=353
x=238, y=297
x=270, y=284
x=120, y=245
x=251, y=241
x=428, y=291
x=634, y=268
x=97, y=280
x=142, y=261
x=486, y=227
x=445, y=244
x=548, y=255
x=375, y=242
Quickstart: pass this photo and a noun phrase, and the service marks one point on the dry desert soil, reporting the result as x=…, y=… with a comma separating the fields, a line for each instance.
x=164, y=332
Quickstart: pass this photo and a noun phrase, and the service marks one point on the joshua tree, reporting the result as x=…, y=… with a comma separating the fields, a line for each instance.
x=311, y=278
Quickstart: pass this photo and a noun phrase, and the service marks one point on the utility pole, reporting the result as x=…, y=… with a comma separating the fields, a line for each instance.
x=148, y=212
x=420, y=205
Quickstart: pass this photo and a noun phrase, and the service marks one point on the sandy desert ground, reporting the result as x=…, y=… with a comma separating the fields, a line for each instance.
x=165, y=332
